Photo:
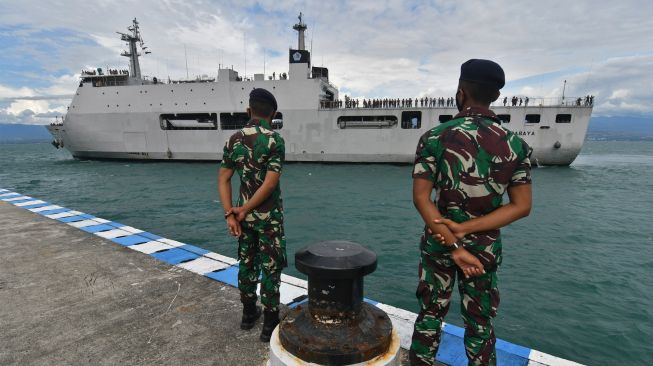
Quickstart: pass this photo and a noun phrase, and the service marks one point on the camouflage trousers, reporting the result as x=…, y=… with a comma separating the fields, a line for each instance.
x=479, y=302
x=262, y=253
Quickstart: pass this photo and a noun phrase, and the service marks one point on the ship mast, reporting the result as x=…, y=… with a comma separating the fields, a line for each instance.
x=300, y=28
x=132, y=39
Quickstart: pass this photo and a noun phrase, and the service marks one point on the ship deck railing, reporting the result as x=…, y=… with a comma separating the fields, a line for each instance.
x=570, y=102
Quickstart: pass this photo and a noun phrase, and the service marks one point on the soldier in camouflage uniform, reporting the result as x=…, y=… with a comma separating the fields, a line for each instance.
x=470, y=161
x=257, y=153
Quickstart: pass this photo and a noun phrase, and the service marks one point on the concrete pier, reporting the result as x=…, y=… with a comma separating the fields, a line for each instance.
x=79, y=289
x=68, y=297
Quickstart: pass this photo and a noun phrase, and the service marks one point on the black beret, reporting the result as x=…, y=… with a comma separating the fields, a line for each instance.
x=484, y=72
x=263, y=96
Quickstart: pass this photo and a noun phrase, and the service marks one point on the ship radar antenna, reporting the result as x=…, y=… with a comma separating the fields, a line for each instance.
x=132, y=40
x=300, y=28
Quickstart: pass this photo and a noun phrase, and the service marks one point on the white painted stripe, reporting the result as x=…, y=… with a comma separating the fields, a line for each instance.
x=150, y=247
x=16, y=198
x=402, y=320
x=294, y=281
x=45, y=208
x=60, y=215
x=20, y=204
x=203, y=265
x=8, y=194
x=172, y=243
x=288, y=293
x=110, y=234
x=549, y=360
x=221, y=258
x=83, y=223
x=101, y=221
x=132, y=230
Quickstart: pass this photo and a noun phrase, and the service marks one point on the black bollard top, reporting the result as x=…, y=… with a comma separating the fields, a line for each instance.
x=335, y=259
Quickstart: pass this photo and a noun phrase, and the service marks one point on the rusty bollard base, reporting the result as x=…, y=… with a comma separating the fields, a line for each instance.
x=349, y=342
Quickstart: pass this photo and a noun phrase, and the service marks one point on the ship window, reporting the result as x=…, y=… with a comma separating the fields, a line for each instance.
x=189, y=121
x=233, y=121
x=373, y=122
x=277, y=121
x=563, y=118
x=411, y=119
x=445, y=118
x=504, y=118
x=532, y=118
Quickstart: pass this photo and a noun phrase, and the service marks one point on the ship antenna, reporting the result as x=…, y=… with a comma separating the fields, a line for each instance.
x=186, y=56
x=245, y=52
x=300, y=28
x=312, y=32
x=132, y=39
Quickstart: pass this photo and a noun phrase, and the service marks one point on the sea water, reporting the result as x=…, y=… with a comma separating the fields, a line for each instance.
x=576, y=277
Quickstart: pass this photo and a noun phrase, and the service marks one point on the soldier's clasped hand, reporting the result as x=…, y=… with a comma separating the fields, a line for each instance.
x=233, y=225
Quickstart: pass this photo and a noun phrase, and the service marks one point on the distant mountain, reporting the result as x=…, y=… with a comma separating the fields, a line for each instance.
x=620, y=128
x=16, y=133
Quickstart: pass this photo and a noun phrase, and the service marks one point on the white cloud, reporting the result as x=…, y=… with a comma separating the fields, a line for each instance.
x=36, y=106
x=388, y=48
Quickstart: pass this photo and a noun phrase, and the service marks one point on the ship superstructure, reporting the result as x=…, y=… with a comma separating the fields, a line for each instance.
x=119, y=114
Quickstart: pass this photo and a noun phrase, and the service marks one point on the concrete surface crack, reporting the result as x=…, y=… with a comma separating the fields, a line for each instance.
x=165, y=312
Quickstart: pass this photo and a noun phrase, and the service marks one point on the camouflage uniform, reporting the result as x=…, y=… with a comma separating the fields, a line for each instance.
x=471, y=161
x=252, y=152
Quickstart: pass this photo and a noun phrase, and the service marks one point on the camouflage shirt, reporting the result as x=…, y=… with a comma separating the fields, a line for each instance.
x=471, y=161
x=252, y=152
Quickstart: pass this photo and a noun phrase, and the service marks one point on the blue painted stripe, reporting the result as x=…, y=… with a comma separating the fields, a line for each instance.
x=55, y=211
x=130, y=240
x=454, y=330
x=71, y=218
x=513, y=349
x=510, y=359
x=148, y=235
x=297, y=303
x=228, y=275
x=36, y=205
x=370, y=301
x=97, y=228
x=193, y=249
x=87, y=216
x=452, y=349
x=174, y=256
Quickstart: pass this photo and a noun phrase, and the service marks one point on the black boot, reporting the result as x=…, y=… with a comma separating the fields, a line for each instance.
x=251, y=313
x=270, y=321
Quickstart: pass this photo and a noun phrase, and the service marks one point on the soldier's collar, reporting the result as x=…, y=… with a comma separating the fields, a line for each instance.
x=478, y=112
x=260, y=122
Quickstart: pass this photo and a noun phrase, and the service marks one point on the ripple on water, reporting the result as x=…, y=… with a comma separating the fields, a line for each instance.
x=574, y=282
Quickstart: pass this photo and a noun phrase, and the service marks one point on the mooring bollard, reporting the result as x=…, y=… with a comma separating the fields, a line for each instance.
x=337, y=327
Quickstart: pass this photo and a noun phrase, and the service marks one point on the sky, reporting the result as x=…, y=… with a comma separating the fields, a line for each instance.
x=374, y=48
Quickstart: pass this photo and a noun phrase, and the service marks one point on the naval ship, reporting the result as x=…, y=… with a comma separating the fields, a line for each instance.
x=121, y=114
